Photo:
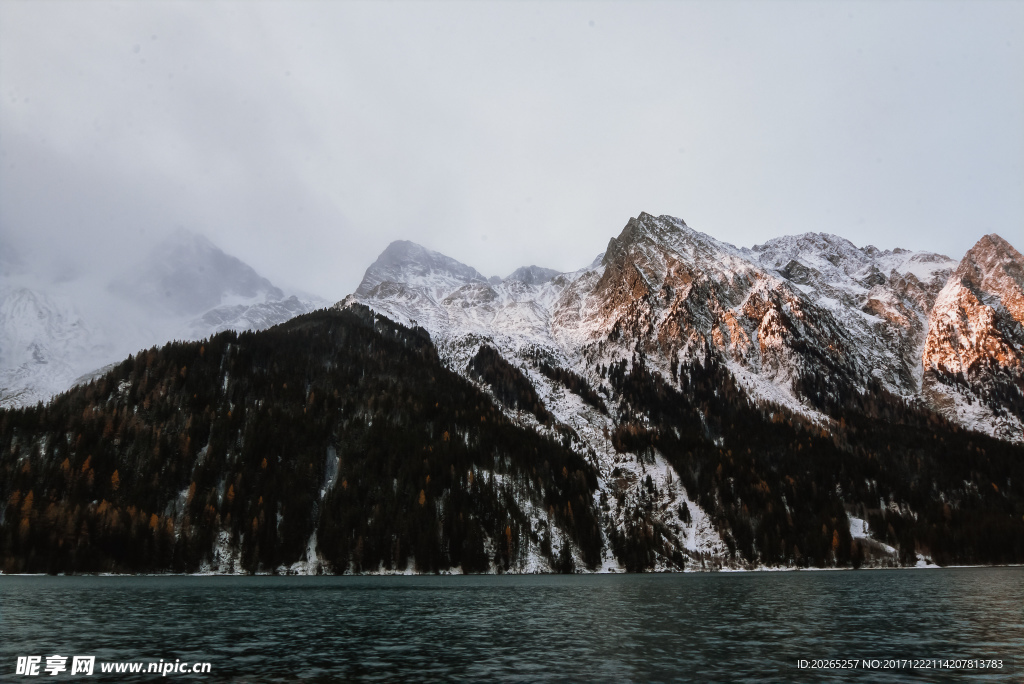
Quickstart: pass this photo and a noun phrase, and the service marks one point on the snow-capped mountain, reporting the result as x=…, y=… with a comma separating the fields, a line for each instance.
x=804, y=322
x=680, y=403
x=408, y=263
x=880, y=298
x=974, y=353
x=53, y=334
x=534, y=313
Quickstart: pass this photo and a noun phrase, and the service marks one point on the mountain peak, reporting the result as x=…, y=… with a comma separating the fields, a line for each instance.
x=991, y=257
x=993, y=268
x=646, y=227
x=533, y=275
x=994, y=241
x=187, y=275
x=403, y=250
x=991, y=251
x=407, y=262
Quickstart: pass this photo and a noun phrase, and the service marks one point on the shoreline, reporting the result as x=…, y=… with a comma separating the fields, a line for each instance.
x=513, y=574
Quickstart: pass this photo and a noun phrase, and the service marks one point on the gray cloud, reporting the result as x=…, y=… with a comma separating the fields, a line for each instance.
x=304, y=137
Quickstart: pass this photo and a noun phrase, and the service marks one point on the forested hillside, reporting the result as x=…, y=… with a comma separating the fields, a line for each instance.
x=781, y=488
x=338, y=442
x=341, y=423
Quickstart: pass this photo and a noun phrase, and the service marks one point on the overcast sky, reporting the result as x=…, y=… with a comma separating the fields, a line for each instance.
x=303, y=138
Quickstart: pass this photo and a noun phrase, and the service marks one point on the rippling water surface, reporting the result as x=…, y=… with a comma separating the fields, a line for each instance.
x=606, y=628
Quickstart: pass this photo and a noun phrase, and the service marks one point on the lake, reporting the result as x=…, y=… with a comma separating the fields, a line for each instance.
x=591, y=628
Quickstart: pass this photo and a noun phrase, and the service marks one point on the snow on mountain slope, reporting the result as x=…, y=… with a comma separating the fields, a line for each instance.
x=40, y=339
x=533, y=275
x=53, y=334
x=801, y=321
x=974, y=354
x=882, y=298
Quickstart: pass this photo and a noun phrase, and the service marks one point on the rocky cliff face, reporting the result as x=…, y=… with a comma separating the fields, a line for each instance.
x=805, y=321
x=973, y=357
x=671, y=293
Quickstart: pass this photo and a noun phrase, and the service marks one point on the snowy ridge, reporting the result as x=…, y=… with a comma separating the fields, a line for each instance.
x=974, y=353
x=882, y=298
x=792, y=309
x=462, y=311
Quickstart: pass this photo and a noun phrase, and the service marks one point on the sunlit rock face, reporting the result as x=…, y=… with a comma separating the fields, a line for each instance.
x=804, y=323
x=801, y=320
x=805, y=319
x=974, y=354
x=670, y=292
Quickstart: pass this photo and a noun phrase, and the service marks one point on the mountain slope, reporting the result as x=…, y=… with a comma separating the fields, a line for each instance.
x=679, y=403
x=41, y=338
x=809, y=328
x=336, y=442
x=974, y=354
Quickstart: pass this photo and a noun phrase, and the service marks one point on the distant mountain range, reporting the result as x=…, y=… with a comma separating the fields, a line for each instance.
x=55, y=334
x=678, y=403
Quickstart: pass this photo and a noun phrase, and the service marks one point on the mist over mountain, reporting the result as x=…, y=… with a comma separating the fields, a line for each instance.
x=55, y=330
x=407, y=262
x=533, y=275
x=186, y=274
x=10, y=261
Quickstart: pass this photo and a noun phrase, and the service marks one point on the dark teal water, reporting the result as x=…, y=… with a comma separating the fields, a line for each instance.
x=695, y=627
